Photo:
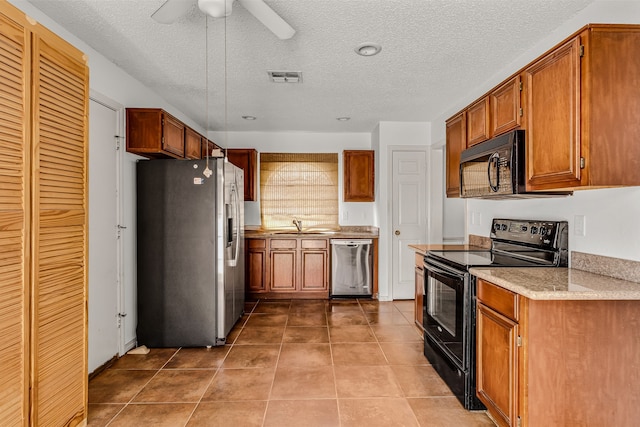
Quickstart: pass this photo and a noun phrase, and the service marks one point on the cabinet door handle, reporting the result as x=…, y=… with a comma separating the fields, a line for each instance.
x=397, y=233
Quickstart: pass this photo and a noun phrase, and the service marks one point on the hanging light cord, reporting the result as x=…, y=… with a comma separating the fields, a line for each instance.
x=206, y=79
x=207, y=172
x=226, y=104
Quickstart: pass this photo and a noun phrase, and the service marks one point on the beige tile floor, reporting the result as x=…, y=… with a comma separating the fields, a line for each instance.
x=287, y=363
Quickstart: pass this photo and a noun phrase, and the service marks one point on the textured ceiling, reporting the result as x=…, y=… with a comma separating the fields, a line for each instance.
x=433, y=53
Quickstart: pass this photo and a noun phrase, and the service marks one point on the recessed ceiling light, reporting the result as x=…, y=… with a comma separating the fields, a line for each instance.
x=249, y=117
x=343, y=119
x=368, y=49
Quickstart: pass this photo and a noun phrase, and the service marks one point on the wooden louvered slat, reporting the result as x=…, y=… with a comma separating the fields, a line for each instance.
x=60, y=227
x=14, y=279
x=43, y=184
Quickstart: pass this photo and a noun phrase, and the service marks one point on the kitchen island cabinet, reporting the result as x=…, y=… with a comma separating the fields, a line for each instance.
x=419, y=296
x=557, y=361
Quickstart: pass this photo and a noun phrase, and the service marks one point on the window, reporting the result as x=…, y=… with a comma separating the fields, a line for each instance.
x=301, y=186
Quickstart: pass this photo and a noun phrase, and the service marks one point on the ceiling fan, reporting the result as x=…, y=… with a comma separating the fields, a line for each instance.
x=172, y=10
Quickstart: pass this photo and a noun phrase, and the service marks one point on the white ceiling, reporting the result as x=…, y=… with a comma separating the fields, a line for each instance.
x=433, y=53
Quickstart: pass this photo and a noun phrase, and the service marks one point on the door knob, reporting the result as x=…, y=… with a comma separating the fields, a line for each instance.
x=397, y=232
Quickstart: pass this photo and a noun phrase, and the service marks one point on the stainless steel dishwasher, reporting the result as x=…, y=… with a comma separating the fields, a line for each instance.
x=351, y=267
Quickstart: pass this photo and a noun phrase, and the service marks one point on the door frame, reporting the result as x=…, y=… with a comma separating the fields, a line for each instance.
x=119, y=141
x=389, y=208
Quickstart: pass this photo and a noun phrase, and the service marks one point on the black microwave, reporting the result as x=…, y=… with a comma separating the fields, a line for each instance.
x=496, y=169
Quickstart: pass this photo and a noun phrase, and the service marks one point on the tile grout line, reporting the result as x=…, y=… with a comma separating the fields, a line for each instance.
x=275, y=368
x=142, y=388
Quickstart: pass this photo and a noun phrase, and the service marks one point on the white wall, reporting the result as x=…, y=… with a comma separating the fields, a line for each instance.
x=612, y=218
x=361, y=213
x=611, y=214
x=388, y=134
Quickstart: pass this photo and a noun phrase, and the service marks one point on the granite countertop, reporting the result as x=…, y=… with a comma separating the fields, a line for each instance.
x=549, y=283
x=348, y=232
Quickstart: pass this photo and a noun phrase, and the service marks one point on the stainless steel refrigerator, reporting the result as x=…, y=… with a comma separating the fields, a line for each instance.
x=190, y=252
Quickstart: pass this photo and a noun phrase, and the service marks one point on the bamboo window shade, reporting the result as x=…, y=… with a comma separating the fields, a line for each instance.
x=302, y=186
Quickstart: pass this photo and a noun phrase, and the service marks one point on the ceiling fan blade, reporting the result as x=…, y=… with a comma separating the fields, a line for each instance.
x=171, y=11
x=269, y=18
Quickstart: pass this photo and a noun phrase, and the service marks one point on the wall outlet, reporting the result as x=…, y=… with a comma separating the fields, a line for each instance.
x=579, y=225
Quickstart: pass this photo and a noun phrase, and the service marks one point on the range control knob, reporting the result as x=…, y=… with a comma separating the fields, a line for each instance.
x=543, y=230
x=496, y=226
x=503, y=227
x=534, y=229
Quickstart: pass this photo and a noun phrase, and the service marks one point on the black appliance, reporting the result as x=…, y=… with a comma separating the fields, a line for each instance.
x=449, y=306
x=496, y=169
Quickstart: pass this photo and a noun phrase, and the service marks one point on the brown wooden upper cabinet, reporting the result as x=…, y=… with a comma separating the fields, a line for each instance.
x=505, y=105
x=494, y=114
x=582, y=103
x=192, y=144
x=211, y=147
x=456, y=142
x=478, y=122
x=578, y=105
x=359, y=175
x=247, y=159
x=154, y=133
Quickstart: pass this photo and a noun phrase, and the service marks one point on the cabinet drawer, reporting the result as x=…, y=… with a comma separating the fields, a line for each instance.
x=499, y=299
x=256, y=243
x=283, y=244
x=314, y=243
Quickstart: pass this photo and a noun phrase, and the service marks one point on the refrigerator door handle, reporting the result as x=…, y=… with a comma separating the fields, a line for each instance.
x=233, y=225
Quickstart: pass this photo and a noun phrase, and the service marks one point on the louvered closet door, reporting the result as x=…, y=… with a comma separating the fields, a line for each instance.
x=59, y=352
x=14, y=315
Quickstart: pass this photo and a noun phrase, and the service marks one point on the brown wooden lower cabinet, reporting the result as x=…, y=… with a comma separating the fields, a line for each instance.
x=256, y=274
x=419, y=290
x=287, y=268
x=557, y=362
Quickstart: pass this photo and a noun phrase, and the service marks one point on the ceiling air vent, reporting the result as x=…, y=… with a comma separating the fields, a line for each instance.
x=285, y=76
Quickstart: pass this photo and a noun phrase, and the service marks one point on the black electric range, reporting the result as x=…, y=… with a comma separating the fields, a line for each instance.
x=449, y=293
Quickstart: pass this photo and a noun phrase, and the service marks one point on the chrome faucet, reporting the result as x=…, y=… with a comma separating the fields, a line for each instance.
x=298, y=225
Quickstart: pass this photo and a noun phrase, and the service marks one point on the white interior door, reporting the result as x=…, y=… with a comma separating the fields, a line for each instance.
x=103, y=221
x=409, y=216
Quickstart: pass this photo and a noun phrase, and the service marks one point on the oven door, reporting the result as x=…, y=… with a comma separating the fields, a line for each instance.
x=443, y=308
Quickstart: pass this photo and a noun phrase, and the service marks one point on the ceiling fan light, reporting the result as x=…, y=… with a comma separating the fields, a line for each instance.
x=216, y=8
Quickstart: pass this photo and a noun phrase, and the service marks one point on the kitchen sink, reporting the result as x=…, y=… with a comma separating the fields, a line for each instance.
x=303, y=233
